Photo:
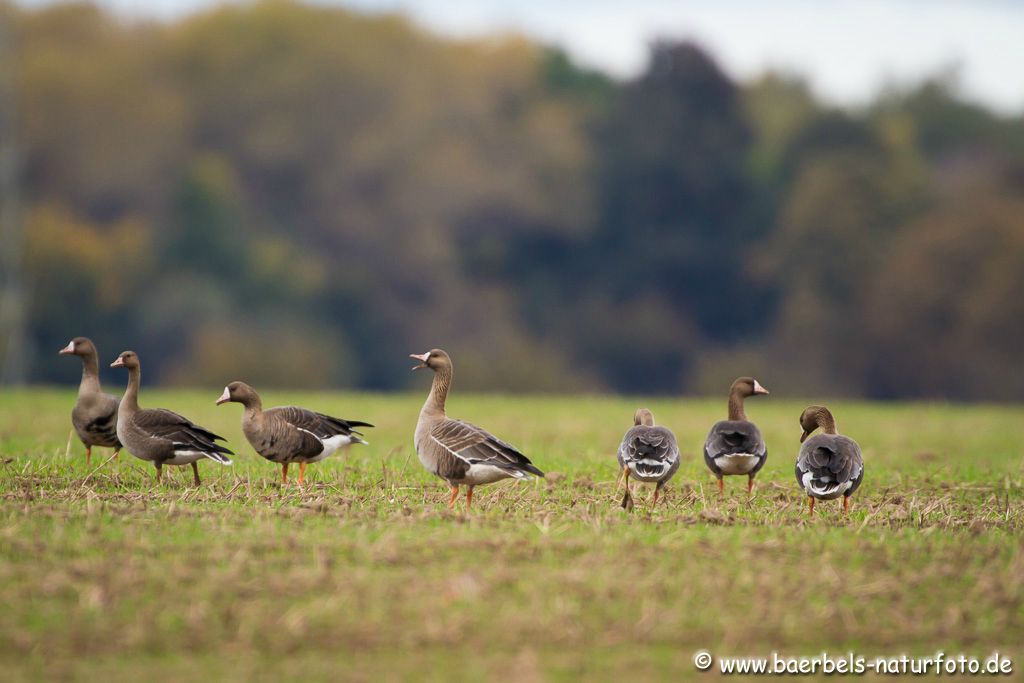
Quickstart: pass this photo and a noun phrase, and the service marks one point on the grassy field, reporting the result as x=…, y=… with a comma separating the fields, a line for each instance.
x=365, y=575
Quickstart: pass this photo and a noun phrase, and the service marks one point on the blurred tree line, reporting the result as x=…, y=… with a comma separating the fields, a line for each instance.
x=300, y=196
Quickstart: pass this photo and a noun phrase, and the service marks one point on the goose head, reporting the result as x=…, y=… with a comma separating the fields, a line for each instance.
x=814, y=417
x=643, y=416
x=126, y=359
x=435, y=359
x=747, y=386
x=237, y=392
x=79, y=346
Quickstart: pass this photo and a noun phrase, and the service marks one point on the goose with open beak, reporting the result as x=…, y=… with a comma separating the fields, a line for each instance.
x=460, y=453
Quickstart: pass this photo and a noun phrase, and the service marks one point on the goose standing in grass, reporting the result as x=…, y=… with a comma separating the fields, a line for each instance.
x=735, y=446
x=288, y=434
x=649, y=453
x=160, y=436
x=94, y=416
x=829, y=464
x=458, y=452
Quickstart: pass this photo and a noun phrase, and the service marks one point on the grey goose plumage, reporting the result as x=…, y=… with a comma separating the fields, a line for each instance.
x=648, y=453
x=160, y=436
x=735, y=446
x=457, y=451
x=829, y=464
x=289, y=434
x=94, y=416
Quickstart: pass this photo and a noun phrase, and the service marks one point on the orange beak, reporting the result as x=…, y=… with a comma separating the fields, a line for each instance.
x=117, y=363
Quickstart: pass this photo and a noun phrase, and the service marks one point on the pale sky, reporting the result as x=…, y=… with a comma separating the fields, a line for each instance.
x=846, y=49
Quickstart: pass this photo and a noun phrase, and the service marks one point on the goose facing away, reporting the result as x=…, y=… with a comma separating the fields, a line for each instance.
x=648, y=453
x=735, y=446
x=94, y=416
x=288, y=434
x=829, y=464
x=457, y=451
x=160, y=436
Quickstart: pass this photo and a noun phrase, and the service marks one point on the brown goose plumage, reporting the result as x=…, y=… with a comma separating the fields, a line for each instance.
x=649, y=453
x=735, y=446
x=289, y=434
x=160, y=436
x=456, y=451
x=94, y=416
x=829, y=464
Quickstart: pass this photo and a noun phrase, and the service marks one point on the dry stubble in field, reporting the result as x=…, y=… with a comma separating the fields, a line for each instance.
x=364, y=575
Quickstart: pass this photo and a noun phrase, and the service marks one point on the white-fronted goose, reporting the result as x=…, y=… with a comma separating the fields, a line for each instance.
x=95, y=413
x=735, y=446
x=829, y=464
x=288, y=434
x=649, y=453
x=160, y=436
x=456, y=451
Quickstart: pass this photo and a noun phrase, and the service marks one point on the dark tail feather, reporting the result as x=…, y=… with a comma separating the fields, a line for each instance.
x=529, y=467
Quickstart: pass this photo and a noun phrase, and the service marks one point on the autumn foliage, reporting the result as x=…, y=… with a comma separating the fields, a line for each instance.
x=302, y=195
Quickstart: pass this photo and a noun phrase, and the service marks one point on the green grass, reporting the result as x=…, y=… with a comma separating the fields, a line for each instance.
x=365, y=575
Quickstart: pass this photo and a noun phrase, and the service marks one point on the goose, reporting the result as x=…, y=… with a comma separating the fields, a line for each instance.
x=829, y=464
x=288, y=434
x=649, y=453
x=160, y=436
x=457, y=451
x=94, y=416
x=735, y=446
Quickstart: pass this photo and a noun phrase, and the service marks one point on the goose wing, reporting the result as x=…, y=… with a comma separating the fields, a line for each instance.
x=649, y=451
x=829, y=461
x=730, y=437
x=323, y=426
x=476, y=446
x=183, y=434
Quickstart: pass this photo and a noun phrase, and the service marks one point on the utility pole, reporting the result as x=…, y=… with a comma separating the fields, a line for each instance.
x=13, y=307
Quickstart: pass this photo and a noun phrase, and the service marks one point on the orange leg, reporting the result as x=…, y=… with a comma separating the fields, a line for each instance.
x=302, y=472
x=469, y=498
x=846, y=505
x=195, y=473
x=159, y=472
x=750, y=485
x=627, y=498
x=284, y=473
x=654, y=499
x=721, y=487
x=88, y=455
x=455, y=495
x=810, y=509
x=117, y=454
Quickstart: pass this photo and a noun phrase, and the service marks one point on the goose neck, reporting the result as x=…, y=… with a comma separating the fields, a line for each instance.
x=131, y=393
x=90, y=375
x=438, y=392
x=253, y=407
x=826, y=423
x=736, y=411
